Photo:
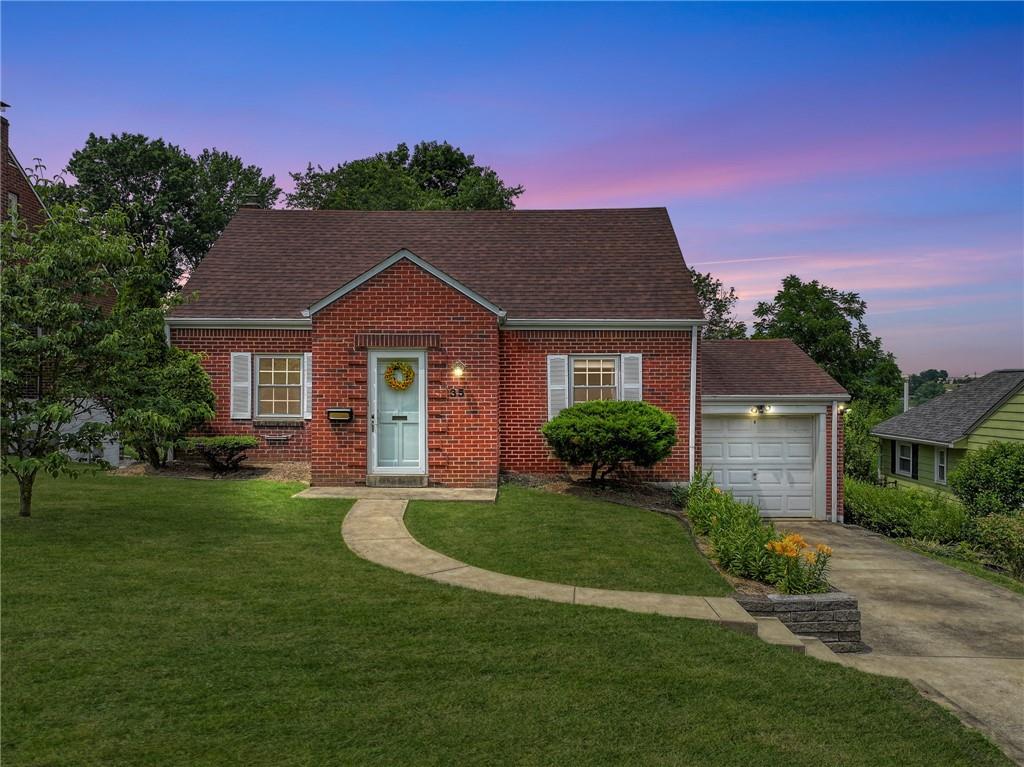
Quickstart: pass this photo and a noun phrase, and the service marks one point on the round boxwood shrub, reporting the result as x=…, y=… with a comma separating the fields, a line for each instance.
x=606, y=434
x=991, y=480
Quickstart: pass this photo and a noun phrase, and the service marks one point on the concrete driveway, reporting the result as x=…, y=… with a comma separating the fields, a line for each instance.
x=947, y=631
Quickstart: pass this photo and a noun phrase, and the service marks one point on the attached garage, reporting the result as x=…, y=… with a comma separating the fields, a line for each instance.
x=767, y=461
x=771, y=431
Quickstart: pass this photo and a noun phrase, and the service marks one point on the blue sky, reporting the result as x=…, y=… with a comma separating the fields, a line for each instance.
x=876, y=147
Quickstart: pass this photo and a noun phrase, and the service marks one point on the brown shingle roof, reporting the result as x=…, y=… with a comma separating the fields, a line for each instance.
x=533, y=264
x=763, y=368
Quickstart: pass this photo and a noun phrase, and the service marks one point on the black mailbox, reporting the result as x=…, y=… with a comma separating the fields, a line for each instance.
x=340, y=414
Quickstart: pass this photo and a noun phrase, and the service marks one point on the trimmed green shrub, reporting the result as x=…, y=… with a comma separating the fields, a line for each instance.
x=991, y=480
x=1001, y=536
x=749, y=547
x=606, y=434
x=906, y=513
x=223, y=454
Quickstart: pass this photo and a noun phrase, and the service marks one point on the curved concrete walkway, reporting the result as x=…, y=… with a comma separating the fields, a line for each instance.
x=375, y=530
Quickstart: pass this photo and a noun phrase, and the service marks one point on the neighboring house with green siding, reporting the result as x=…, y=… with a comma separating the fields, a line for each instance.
x=923, y=445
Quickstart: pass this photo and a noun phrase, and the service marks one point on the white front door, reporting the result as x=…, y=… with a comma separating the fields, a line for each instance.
x=398, y=423
x=767, y=461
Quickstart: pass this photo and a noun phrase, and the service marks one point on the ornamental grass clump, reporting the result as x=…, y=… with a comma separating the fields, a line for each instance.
x=747, y=546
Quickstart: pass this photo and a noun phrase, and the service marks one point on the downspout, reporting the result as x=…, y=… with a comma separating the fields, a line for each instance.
x=693, y=397
x=835, y=458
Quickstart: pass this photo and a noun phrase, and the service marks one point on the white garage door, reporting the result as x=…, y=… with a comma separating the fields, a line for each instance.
x=767, y=461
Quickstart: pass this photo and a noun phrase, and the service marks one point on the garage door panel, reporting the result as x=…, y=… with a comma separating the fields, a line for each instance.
x=799, y=450
x=736, y=477
x=767, y=462
x=740, y=449
x=799, y=504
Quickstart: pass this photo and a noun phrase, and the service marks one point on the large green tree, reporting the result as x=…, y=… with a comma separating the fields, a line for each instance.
x=927, y=384
x=719, y=307
x=829, y=325
x=164, y=192
x=80, y=324
x=434, y=176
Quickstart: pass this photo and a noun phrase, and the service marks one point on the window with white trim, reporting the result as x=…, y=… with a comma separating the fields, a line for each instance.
x=904, y=459
x=279, y=386
x=594, y=378
x=940, y=465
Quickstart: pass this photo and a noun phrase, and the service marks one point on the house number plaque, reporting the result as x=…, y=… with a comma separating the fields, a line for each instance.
x=456, y=392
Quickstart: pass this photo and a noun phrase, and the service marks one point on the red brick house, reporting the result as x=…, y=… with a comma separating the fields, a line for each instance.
x=430, y=347
x=17, y=196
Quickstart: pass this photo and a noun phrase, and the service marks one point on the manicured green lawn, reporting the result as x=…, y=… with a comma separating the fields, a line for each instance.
x=566, y=539
x=174, y=622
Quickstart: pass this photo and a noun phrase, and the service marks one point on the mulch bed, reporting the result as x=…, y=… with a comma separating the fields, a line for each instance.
x=284, y=471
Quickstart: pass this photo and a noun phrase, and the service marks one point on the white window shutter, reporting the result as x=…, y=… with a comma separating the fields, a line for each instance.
x=307, y=385
x=558, y=384
x=632, y=377
x=241, y=385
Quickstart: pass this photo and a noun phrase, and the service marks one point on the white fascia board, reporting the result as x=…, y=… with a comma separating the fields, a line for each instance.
x=390, y=261
x=898, y=438
x=743, y=408
x=600, y=324
x=760, y=399
x=234, y=323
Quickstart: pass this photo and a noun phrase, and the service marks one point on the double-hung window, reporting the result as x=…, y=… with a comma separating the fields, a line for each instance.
x=940, y=465
x=594, y=378
x=904, y=459
x=279, y=386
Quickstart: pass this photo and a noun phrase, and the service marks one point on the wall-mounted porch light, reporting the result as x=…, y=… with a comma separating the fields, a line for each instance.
x=458, y=369
x=760, y=409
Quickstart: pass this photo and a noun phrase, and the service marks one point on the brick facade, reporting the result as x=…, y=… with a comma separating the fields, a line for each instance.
x=462, y=432
x=839, y=463
x=280, y=440
x=12, y=180
x=470, y=439
x=524, y=409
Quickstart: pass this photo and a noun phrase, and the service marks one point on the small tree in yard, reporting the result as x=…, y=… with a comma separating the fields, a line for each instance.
x=991, y=480
x=607, y=434
x=53, y=338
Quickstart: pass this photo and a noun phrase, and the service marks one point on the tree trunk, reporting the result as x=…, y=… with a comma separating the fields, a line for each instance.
x=25, y=484
x=593, y=471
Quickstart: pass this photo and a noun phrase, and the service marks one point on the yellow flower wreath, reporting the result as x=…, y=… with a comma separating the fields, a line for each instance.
x=403, y=383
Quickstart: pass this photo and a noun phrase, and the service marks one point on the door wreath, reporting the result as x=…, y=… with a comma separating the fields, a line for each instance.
x=404, y=369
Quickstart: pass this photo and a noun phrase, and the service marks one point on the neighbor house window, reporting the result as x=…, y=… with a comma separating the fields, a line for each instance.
x=594, y=378
x=940, y=465
x=279, y=387
x=904, y=459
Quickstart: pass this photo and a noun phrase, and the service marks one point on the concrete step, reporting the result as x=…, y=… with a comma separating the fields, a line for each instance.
x=774, y=631
x=396, y=480
x=818, y=649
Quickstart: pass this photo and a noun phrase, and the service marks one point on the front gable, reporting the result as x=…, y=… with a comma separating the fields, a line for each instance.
x=387, y=263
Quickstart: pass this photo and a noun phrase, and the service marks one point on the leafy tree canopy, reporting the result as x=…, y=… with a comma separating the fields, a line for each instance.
x=829, y=325
x=82, y=334
x=164, y=192
x=434, y=176
x=719, y=307
x=927, y=384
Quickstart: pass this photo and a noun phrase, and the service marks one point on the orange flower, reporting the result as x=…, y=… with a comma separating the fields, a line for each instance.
x=823, y=549
x=811, y=557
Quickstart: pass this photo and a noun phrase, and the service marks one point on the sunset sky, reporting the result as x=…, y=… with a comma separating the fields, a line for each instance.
x=877, y=148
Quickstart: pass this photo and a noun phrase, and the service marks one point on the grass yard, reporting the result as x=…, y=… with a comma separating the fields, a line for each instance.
x=170, y=622
x=562, y=538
